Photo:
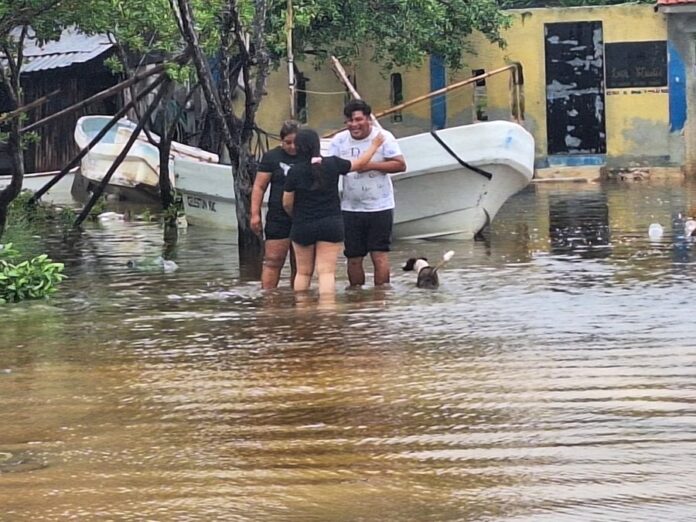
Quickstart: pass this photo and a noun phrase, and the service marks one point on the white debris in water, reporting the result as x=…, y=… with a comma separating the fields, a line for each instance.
x=169, y=266
x=689, y=227
x=655, y=231
x=110, y=216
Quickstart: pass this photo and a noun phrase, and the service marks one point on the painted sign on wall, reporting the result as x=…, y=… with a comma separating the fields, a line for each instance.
x=636, y=64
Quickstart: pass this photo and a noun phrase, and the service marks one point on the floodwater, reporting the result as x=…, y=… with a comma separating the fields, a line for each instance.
x=552, y=377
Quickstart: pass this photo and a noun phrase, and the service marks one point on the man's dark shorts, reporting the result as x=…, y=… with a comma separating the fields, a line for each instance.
x=367, y=232
x=277, y=226
x=329, y=229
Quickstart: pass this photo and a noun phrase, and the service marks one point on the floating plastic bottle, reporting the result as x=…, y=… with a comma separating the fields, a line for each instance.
x=153, y=265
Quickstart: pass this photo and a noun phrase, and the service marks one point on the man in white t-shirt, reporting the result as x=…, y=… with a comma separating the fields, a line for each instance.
x=368, y=195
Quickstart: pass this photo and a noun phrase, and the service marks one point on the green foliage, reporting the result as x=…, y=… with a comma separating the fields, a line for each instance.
x=174, y=211
x=98, y=208
x=527, y=4
x=7, y=251
x=114, y=64
x=66, y=217
x=146, y=216
x=36, y=278
x=29, y=138
x=23, y=213
x=400, y=32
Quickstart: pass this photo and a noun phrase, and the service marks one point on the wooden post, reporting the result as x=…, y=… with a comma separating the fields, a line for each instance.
x=121, y=156
x=76, y=160
x=291, y=58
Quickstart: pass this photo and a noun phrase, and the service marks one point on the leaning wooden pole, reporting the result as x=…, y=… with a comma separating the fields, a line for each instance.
x=451, y=87
x=515, y=67
x=346, y=81
x=158, y=69
x=121, y=156
x=114, y=120
x=29, y=106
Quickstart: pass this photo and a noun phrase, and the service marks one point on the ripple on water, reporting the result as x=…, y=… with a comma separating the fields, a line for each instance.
x=550, y=377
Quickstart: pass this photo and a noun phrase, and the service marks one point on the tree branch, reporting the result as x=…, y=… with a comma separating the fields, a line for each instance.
x=190, y=35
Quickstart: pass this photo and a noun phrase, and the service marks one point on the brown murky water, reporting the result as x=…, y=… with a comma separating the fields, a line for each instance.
x=551, y=377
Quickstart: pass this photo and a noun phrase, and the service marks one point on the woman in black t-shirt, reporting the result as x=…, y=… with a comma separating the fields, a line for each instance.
x=272, y=170
x=311, y=198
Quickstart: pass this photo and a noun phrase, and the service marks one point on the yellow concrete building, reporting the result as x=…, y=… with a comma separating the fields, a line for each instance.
x=596, y=87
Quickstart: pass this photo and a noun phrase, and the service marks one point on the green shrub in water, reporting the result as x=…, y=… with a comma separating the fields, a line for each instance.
x=98, y=208
x=35, y=278
x=23, y=213
x=175, y=210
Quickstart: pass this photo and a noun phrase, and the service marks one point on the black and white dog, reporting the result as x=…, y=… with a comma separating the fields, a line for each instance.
x=427, y=275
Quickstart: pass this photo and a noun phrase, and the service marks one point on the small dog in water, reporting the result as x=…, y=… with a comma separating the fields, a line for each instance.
x=427, y=275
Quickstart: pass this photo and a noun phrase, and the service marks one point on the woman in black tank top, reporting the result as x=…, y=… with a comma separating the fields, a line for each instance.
x=311, y=197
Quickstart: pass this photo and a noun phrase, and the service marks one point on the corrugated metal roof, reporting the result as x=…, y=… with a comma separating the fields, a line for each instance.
x=72, y=47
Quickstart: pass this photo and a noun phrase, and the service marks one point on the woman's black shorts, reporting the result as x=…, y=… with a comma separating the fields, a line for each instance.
x=329, y=229
x=277, y=226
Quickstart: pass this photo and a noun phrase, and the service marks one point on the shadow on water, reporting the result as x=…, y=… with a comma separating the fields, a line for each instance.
x=550, y=377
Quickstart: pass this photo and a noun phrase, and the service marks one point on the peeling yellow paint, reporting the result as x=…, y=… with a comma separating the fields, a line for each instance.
x=632, y=115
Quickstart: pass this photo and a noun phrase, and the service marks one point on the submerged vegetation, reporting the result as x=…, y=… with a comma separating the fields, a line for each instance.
x=23, y=213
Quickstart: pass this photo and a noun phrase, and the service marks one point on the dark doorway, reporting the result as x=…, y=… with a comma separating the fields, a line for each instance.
x=575, y=88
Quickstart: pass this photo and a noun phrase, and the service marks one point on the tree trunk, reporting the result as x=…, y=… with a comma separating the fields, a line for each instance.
x=165, y=184
x=234, y=130
x=14, y=141
x=9, y=193
x=243, y=183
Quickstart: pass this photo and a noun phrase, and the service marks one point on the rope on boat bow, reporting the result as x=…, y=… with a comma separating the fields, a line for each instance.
x=463, y=163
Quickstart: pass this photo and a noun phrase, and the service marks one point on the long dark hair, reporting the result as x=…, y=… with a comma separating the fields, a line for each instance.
x=308, y=146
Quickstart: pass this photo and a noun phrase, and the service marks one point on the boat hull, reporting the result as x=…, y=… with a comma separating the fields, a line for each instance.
x=60, y=193
x=458, y=179
x=208, y=193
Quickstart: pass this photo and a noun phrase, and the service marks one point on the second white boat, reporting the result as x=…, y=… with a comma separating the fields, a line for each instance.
x=138, y=175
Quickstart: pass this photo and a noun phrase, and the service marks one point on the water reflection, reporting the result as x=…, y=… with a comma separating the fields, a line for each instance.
x=579, y=223
x=546, y=379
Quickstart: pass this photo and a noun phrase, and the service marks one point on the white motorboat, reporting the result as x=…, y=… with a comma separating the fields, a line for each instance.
x=139, y=172
x=60, y=193
x=457, y=180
